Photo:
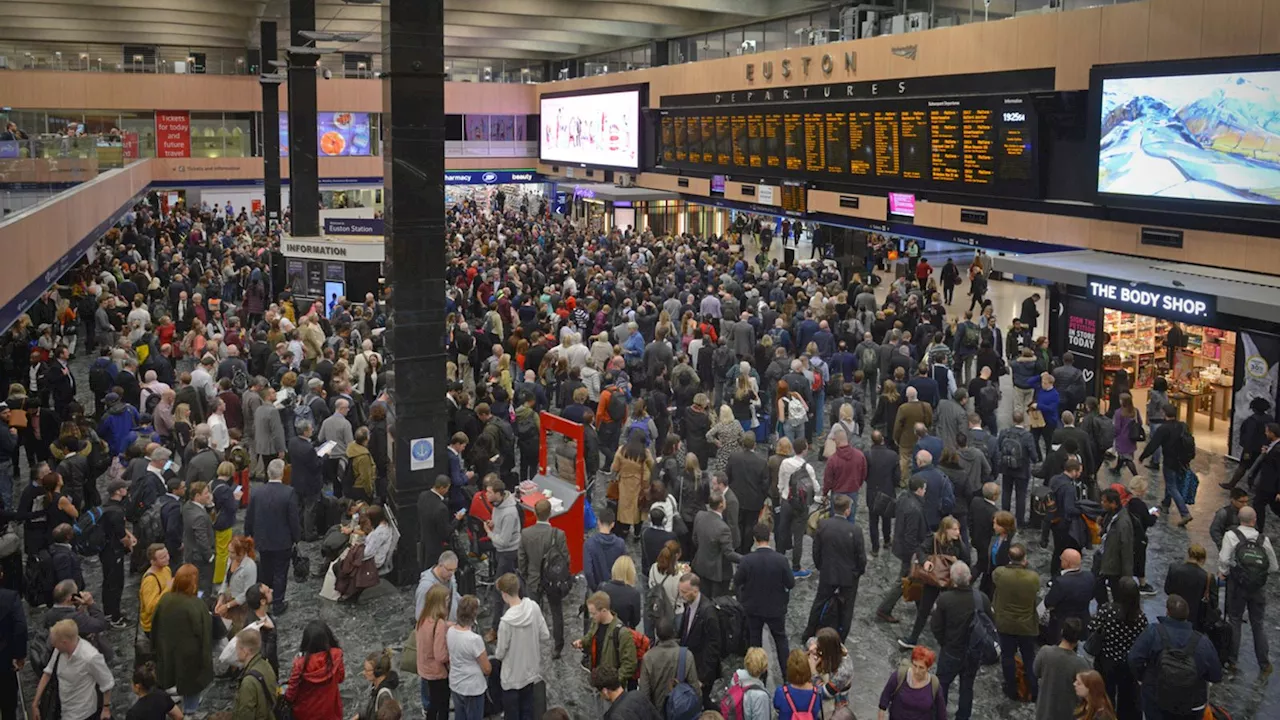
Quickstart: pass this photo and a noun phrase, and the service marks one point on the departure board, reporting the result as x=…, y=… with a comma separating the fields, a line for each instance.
x=969, y=144
x=795, y=199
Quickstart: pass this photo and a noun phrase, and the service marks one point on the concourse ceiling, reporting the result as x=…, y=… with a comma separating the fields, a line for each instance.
x=500, y=29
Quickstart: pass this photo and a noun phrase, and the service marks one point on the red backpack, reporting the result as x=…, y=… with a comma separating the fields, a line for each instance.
x=733, y=704
x=807, y=713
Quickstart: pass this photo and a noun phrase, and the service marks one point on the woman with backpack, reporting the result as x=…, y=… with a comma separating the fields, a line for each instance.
x=913, y=692
x=316, y=675
x=633, y=464
x=1112, y=632
x=383, y=681
x=798, y=699
x=792, y=412
x=746, y=698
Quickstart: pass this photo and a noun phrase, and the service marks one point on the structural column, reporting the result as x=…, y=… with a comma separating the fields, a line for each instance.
x=413, y=174
x=304, y=173
x=270, y=127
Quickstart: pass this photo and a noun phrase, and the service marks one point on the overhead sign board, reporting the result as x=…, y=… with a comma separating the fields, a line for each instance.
x=490, y=177
x=1172, y=303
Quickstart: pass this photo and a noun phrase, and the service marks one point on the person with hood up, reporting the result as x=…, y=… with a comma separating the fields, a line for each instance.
x=383, y=681
x=521, y=634
x=316, y=675
x=504, y=530
x=117, y=424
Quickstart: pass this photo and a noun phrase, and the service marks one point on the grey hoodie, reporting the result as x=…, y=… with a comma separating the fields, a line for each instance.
x=520, y=636
x=506, y=525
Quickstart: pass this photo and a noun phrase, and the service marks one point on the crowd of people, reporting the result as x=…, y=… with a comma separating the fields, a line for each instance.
x=730, y=409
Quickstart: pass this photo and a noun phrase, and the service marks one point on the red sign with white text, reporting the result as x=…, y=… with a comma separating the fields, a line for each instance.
x=173, y=134
x=130, y=142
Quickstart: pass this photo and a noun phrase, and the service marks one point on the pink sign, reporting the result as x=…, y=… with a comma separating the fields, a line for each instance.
x=130, y=143
x=173, y=134
x=902, y=204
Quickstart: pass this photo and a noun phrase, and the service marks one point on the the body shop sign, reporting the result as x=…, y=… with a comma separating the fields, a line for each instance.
x=1170, y=303
x=173, y=134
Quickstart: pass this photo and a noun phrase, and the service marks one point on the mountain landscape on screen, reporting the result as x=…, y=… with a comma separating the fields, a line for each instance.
x=1198, y=137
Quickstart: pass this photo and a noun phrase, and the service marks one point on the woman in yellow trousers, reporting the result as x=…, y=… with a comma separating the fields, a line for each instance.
x=226, y=500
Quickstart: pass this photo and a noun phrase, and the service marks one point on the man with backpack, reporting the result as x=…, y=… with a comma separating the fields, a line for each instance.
x=1175, y=665
x=669, y=676
x=968, y=339
x=1179, y=446
x=1247, y=558
x=543, y=562
x=608, y=643
x=953, y=624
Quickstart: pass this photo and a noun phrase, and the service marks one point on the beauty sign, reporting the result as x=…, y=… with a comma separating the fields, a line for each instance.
x=1171, y=303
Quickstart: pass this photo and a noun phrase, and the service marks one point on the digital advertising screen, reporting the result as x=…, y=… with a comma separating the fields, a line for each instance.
x=338, y=134
x=1204, y=137
x=603, y=129
x=978, y=144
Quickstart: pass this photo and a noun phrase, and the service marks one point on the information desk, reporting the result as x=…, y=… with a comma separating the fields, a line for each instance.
x=572, y=495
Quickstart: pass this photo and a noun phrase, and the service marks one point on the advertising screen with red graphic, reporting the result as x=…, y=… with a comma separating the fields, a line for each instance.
x=173, y=134
x=601, y=129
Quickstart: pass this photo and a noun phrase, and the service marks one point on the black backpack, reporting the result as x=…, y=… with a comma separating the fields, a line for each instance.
x=657, y=604
x=1185, y=447
x=1179, y=688
x=799, y=489
x=556, y=578
x=90, y=538
x=984, y=642
x=1250, y=561
x=1012, y=454
x=39, y=579
x=733, y=625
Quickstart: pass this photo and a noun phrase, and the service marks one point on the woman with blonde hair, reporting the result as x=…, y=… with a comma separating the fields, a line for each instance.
x=726, y=435
x=624, y=596
x=944, y=544
x=756, y=703
x=182, y=425
x=433, y=652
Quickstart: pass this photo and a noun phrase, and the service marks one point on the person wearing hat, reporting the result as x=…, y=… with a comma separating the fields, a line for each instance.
x=117, y=424
x=118, y=543
x=8, y=449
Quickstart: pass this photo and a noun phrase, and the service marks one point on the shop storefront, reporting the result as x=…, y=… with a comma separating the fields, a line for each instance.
x=519, y=188
x=1209, y=333
x=605, y=207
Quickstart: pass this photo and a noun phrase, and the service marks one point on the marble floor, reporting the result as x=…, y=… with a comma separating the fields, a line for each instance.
x=386, y=622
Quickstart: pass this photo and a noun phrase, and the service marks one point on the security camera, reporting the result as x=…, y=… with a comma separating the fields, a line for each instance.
x=327, y=74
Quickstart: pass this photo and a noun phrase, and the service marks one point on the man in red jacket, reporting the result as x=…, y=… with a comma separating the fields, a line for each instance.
x=846, y=470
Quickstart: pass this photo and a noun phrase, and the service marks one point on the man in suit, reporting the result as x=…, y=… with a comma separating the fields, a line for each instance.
x=1190, y=581
x=841, y=559
x=713, y=543
x=720, y=484
x=268, y=433
x=1070, y=431
x=171, y=517
x=189, y=395
x=538, y=542
x=435, y=522
x=698, y=628
x=654, y=537
x=749, y=480
x=764, y=581
x=307, y=478
x=197, y=535
x=1266, y=489
x=274, y=522
x=1069, y=594
x=909, y=531
x=982, y=511
x=60, y=381
x=1116, y=556
x=939, y=495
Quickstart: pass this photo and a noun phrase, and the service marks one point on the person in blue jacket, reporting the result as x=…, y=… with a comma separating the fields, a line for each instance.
x=600, y=551
x=1048, y=402
x=117, y=423
x=1173, y=630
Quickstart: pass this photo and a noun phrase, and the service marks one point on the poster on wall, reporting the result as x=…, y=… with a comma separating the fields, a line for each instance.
x=1083, y=337
x=173, y=134
x=315, y=278
x=296, y=275
x=1256, y=375
x=338, y=134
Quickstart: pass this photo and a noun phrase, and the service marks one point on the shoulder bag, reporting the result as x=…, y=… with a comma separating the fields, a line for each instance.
x=940, y=575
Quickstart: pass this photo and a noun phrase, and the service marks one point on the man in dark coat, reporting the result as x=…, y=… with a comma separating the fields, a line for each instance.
x=307, y=478
x=714, y=543
x=698, y=628
x=841, y=559
x=538, y=542
x=274, y=522
x=764, y=581
x=982, y=512
x=435, y=522
x=1031, y=312
x=749, y=479
x=950, y=623
x=909, y=532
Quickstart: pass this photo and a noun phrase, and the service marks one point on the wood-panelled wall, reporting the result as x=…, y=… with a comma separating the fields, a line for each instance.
x=49, y=90
x=1071, y=42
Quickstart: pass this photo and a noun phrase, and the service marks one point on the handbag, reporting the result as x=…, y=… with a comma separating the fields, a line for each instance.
x=940, y=575
x=1137, y=433
x=10, y=543
x=882, y=504
x=912, y=590
x=1035, y=418
x=822, y=513
x=409, y=655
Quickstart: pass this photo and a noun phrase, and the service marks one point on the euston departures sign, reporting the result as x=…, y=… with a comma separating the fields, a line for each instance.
x=1170, y=303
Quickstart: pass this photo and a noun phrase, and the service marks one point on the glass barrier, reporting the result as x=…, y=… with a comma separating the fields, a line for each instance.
x=35, y=170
